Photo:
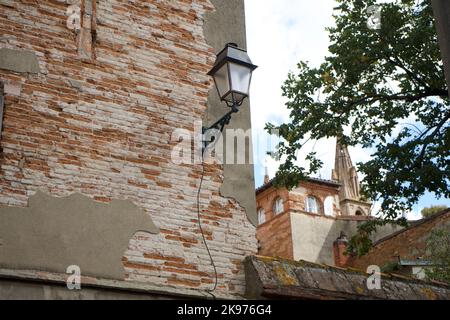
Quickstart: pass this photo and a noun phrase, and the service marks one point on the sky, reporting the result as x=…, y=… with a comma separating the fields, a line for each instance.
x=280, y=33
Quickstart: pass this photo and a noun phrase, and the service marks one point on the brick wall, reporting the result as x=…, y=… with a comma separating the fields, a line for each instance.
x=297, y=234
x=266, y=200
x=409, y=243
x=295, y=200
x=298, y=196
x=102, y=127
x=275, y=237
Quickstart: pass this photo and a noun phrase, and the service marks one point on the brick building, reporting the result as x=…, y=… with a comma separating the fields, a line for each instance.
x=92, y=92
x=404, y=251
x=303, y=224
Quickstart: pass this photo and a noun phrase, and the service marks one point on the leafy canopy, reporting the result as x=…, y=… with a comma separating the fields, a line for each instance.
x=438, y=252
x=427, y=212
x=387, y=88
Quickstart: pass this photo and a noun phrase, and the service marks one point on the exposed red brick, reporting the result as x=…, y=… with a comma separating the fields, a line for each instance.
x=409, y=244
x=147, y=77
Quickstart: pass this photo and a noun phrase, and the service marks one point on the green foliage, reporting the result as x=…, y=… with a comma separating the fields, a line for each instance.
x=360, y=243
x=438, y=252
x=427, y=212
x=373, y=82
x=392, y=266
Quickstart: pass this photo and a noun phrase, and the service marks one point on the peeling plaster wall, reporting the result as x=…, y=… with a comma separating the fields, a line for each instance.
x=54, y=233
x=19, y=290
x=227, y=24
x=102, y=127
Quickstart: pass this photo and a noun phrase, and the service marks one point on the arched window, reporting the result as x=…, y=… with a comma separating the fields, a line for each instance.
x=261, y=216
x=312, y=205
x=359, y=213
x=278, y=206
x=328, y=206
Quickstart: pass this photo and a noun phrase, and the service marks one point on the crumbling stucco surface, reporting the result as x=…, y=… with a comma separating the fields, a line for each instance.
x=111, y=134
x=22, y=284
x=53, y=233
x=239, y=182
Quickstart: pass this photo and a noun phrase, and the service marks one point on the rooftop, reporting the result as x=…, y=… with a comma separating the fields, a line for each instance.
x=413, y=224
x=327, y=182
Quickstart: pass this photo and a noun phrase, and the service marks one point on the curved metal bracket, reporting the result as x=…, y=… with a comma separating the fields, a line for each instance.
x=218, y=125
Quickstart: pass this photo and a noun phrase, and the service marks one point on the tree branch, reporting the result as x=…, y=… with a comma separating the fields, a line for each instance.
x=401, y=65
x=429, y=138
x=402, y=96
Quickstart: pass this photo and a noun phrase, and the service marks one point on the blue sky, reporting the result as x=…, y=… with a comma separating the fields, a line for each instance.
x=280, y=33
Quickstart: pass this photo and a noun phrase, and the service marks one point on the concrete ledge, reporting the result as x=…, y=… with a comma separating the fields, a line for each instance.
x=37, y=285
x=277, y=278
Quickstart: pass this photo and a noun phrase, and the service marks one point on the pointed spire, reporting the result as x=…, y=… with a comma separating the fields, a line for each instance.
x=345, y=172
x=266, y=172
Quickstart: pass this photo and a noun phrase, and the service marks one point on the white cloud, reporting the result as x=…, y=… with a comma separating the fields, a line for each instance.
x=411, y=215
x=414, y=214
x=279, y=34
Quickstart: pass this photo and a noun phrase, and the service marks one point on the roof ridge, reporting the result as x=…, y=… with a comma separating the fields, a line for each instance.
x=413, y=224
x=308, y=179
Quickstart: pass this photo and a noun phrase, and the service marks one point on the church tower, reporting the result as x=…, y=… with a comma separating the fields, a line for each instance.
x=350, y=200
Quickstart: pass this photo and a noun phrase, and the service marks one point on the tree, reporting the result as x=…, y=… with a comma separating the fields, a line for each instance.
x=438, y=252
x=427, y=212
x=386, y=87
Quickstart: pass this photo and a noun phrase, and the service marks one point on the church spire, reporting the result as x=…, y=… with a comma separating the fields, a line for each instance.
x=349, y=193
x=345, y=173
x=266, y=173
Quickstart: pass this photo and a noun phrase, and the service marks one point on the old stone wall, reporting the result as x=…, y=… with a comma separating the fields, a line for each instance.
x=408, y=244
x=275, y=278
x=92, y=111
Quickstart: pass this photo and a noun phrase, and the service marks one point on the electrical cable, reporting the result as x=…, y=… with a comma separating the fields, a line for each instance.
x=209, y=291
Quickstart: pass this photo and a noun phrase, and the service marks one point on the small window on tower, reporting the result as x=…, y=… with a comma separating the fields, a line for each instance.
x=278, y=206
x=261, y=216
x=312, y=205
x=328, y=205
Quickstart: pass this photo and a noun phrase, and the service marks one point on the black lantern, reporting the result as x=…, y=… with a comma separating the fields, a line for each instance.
x=232, y=73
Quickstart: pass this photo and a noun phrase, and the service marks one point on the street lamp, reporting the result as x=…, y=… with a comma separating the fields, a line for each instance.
x=232, y=74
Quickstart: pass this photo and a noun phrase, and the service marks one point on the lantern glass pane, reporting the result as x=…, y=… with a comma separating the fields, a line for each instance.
x=240, y=78
x=238, y=97
x=222, y=80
